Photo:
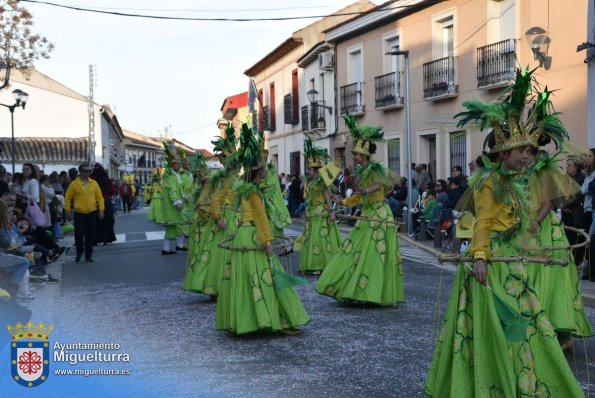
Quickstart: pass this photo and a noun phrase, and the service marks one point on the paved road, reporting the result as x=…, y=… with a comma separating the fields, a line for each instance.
x=132, y=296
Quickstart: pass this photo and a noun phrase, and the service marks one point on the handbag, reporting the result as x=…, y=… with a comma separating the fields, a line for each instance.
x=34, y=214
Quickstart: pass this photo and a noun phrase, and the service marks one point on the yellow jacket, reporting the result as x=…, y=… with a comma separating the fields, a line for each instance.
x=252, y=209
x=86, y=197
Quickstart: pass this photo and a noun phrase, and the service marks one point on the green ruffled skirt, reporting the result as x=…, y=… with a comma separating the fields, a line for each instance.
x=248, y=301
x=557, y=287
x=473, y=358
x=202, y=272
x=321, y=239
x=368, y=265
x=155, y=210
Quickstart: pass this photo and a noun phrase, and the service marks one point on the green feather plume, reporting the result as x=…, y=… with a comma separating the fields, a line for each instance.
x=362, y=132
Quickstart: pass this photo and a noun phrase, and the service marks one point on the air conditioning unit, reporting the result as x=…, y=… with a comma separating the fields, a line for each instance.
x=326, y=61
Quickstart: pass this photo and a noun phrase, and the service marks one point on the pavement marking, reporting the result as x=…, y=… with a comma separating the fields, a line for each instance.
x=155, y=235
x=120, y=238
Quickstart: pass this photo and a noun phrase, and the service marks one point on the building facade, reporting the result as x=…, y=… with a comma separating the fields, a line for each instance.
x=458, y=50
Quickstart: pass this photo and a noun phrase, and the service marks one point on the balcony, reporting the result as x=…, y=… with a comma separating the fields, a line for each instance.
x=288, y=113
x=388, y=91
x=313, y=118
x=351, y=99
x=439, y=79
x=496, y=64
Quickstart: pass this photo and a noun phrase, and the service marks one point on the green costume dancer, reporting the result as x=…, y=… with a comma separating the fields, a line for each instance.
x=368, y=266
x=252, y=300
x=558, y=287
x=475, y=355
x=321, y=238
x=172, y=199
x=155, y=210
x=276, y=210
x=216, y=219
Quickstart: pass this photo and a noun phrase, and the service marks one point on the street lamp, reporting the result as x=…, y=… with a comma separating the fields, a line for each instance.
x=21, y=99
x=405, y=53
x=539, y=42
x=313, y=99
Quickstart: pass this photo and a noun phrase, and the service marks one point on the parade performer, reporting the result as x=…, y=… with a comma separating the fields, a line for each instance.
x=215, y=219
x=275, y=207
x=254, y=300
x=172, y=201
x=321, y=237
x=558, y=287
x=155, y=211
x=188, y=189
x=367, y=267
x=496, y=339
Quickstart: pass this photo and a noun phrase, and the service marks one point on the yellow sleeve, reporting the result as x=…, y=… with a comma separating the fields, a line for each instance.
x=217, y=201
x=352, y=201
x=68, y=199
x=99, y=199
x=263, y=231
x=486, y=209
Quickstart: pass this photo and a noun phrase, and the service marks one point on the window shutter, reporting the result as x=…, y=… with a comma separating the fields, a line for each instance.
x=295, y=93
x=272, y=106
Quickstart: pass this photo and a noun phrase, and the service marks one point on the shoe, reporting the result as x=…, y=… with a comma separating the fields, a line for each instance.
x=89, y=260
x=28, y=296
x=78, y=257
x=290, y=331
x=286, y=252
x=167, y=253
x=182, y=249
x=51, y=279
x=61, y=250
x=38, y=275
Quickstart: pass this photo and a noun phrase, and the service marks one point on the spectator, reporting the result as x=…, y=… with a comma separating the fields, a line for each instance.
x=295, y=194
x=30, y=187
x=16, y=267
x=72, y=174
x=457, y=171
x=138, y=192
x=472, y=167
x=105, y=227
x=282, y=181
x=422, y=177
x=573, y=213
x=3, y=183
x=414, y=175
x=588, y=191
x=454, y=194
x=397, y=198
x=48, y=204
x=64, y=180
x=126, y=195
x=85, y=196
x=344, y=182
x=442, y=191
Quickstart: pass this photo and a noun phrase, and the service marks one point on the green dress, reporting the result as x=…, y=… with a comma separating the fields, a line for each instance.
x=155, y=210
x=279, y=217
x=368, y=266
x=187, y=189
x=249, y=301
x=473, y=357
x=558, y=287
x=321, y=237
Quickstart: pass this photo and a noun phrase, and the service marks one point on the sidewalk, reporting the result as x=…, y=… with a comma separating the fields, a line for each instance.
x=587, y=288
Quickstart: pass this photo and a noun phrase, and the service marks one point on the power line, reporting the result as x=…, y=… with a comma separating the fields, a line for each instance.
x=208, y=10
x=162, y=17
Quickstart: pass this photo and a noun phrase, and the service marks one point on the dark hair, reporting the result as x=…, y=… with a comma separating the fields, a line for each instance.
x=443, y=185
x=81, y=166
x=592, y=167
x=454, y=180
x=432, y=192
x=372, y=148
x=2, y=171
x=34, y=173
x=100, y=176
x=457, y=168
x=72, y=173
x=17, y=178
x=54, y=177
x=63, y=173
x=43, y=178
x=479, y=161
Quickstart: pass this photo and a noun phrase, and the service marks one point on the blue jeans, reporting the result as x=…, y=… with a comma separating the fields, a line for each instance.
x=592, y=229
x=15, y=266
x=301, y=208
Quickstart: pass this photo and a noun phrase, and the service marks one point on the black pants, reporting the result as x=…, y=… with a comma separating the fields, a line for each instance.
x=127, y=203
x=85, y=228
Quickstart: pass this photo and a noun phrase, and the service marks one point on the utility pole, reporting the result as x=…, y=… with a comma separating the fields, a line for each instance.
x=91, y=108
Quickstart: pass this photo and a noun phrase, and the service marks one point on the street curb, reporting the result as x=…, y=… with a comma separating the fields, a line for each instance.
x=416, y=243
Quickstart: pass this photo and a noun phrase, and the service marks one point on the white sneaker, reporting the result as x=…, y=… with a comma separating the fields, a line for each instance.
x=28, y=296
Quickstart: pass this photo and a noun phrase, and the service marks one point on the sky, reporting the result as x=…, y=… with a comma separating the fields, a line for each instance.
x=156, y=73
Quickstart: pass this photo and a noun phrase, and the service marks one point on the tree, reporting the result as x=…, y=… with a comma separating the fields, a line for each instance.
x=19, y=46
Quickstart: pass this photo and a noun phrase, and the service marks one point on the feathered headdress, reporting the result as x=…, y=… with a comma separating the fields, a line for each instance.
x=251, y=154
x=363, y=136
x=171, y=152
x=225, y=147
x=199, y=166
x=314, y=154
x=510, y=127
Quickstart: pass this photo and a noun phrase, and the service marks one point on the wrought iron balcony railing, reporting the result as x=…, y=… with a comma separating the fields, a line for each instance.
x=288, y=113
x=313, y=118
x=439, y=78
x=388, y=90
x=496, y=63
x=352, y=99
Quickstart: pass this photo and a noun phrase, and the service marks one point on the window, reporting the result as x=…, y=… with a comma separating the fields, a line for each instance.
x=394, y=155
x=295, y=92
x=392, y=61
x=447, y=37
x=356, y=66
x=458, y=149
